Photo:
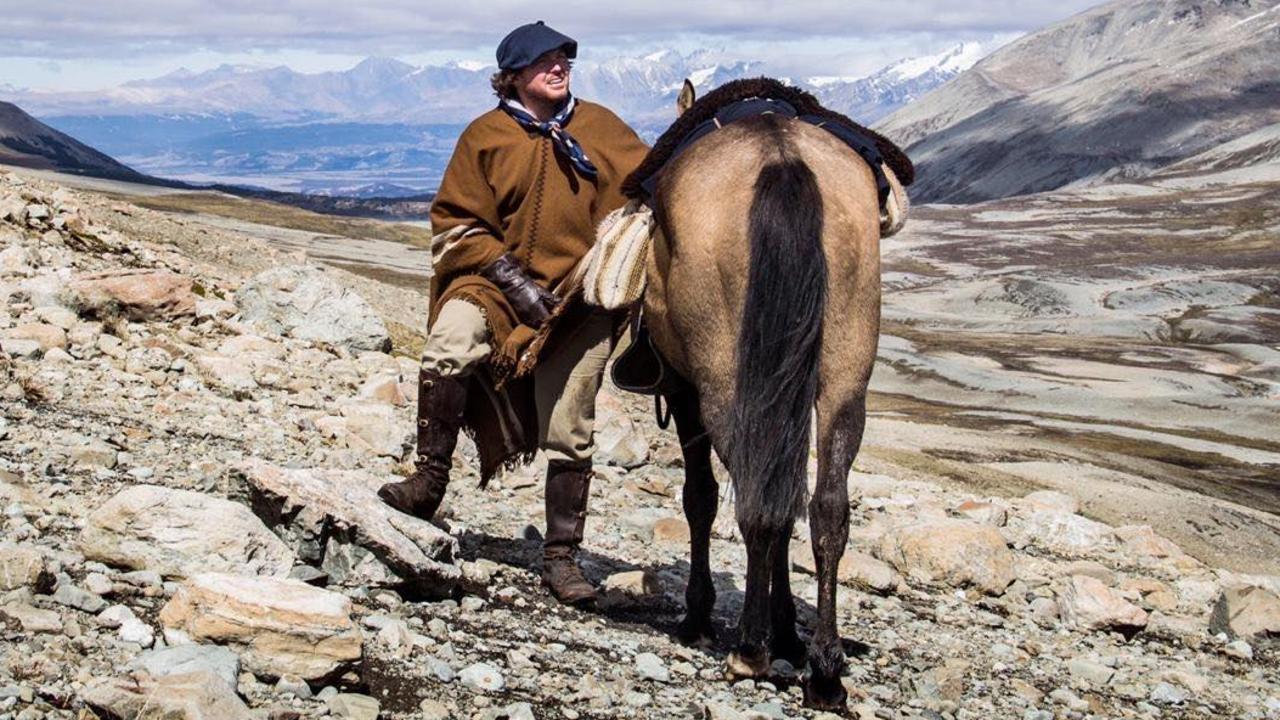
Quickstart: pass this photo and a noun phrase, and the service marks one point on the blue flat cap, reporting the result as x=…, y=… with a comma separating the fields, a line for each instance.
x=528, y=42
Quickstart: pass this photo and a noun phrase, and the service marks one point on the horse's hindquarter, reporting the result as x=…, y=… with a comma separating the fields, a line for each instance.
x=851, y=239
x=698, y=271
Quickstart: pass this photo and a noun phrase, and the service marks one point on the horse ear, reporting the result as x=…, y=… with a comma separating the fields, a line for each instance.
x=687, y=96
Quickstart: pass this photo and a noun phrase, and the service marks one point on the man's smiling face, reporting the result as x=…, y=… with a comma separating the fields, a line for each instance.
x=547, y=79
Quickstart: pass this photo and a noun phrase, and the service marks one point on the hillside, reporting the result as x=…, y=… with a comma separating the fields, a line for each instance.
x=1114, y=92
x=27, y=142
x=189, y=522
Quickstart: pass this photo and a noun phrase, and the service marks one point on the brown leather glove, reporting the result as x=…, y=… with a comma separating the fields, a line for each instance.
x=532, y=302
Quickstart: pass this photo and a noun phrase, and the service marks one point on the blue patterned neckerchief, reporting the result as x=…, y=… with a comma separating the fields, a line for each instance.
x=554, y=129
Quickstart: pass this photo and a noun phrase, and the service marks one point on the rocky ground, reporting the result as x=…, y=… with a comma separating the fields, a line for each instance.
x=194, y=424
x=1118, y=342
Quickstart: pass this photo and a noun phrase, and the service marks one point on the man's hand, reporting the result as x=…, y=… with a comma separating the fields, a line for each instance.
x=532, y=303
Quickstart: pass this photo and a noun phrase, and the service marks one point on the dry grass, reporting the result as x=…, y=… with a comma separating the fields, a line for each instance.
x=275, y=214
x=405, y=340
x=384, y=275
x=912, y=265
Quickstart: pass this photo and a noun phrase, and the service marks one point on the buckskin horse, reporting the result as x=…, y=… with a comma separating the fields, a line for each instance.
x=763, y=298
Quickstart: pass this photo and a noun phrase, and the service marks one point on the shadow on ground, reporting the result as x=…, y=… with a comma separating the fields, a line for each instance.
x=660, y=612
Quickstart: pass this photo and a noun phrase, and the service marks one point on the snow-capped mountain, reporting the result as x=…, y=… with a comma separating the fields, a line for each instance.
x=387, y=121
x=644, y=89
x=376, y=90
x=640, y=89
x=870, y=98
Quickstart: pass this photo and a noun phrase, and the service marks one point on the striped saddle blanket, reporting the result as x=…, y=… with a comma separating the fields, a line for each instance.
x=614, y=268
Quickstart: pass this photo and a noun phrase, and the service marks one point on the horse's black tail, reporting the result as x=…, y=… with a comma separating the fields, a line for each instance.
x=779, y=343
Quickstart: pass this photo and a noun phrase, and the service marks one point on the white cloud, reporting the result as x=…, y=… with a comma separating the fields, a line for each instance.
x=69, y=28
x=105, y=43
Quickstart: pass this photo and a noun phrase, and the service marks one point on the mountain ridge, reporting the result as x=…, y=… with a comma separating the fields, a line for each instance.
x=384, y=89
x=386, y=123
x=1117, y=91
x=27, y=142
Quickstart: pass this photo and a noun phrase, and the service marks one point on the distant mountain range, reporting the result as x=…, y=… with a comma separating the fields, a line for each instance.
x=1118, y=91
x=1126, y=89
x=387, y=128
x=385, y=90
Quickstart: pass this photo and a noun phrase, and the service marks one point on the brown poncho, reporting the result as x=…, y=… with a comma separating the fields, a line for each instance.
x=506, y=189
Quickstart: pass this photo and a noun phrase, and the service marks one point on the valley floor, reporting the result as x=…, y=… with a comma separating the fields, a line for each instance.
x=1065, y=506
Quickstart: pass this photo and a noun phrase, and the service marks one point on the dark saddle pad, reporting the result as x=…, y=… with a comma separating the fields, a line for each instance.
x=741, y=99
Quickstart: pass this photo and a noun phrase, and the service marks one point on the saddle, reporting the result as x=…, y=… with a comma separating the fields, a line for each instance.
x=740, y=99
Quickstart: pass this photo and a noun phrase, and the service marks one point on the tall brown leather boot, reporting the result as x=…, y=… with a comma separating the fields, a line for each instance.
x=441, y=402
x=568, y=485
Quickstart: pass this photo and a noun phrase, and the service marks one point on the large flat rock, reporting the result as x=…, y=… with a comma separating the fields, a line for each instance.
x=336, y=520
x=138, y=295
x=301, y=301
x=190, y=696
x=952, y=552
x=1059, y=531
x=278, y=626
x=179, y=533
x=1247, y=612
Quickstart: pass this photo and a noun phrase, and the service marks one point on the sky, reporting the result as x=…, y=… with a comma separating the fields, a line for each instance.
x=92, y=44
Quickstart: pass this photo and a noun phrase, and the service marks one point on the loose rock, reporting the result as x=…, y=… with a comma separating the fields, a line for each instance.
x=1246, y=612
x=139, y=296
x=954, y=552
x=482, y=677
x=22, y=567
x=344, y=506
x=303, y=302
x=32, y=619
x=651, y=667
x=356, y=707
x=1061, y=532
x=1087, y=604
x=183, y=659
x=190, y=696
x=278, y=626
x=180, y=532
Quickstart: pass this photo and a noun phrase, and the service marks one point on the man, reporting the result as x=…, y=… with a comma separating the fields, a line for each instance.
x=517, y=209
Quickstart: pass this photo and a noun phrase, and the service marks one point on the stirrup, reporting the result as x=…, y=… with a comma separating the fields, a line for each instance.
x=640, y=368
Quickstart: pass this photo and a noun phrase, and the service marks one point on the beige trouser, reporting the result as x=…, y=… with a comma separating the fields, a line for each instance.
x=565, y=382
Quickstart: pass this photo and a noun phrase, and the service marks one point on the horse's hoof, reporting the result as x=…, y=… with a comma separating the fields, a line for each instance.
x=826, y=694
x=696, y=634
x=747, y=665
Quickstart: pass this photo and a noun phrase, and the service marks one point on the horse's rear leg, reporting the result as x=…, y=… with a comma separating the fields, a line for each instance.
x=701, y=496
x=838, y=441
x=751, y=657
x=784, y=642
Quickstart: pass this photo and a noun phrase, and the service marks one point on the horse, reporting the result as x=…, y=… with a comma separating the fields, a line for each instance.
x=763, y=300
